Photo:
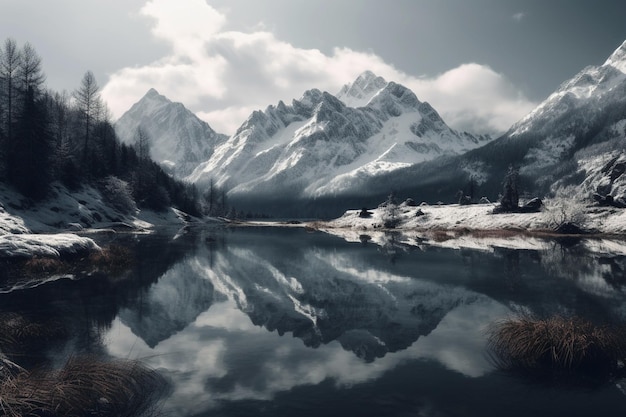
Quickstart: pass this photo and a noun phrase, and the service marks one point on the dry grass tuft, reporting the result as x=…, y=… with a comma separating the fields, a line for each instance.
x=112, y=258
x=557, y=345
x=498, y=233
x=40, y=266
x=441, y=235
x=83, y=387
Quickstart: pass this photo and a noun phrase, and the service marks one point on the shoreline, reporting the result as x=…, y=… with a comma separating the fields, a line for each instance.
x=480, y=219
x=468, y=227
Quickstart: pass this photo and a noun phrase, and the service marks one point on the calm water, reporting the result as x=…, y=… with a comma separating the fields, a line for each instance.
x=281, y=322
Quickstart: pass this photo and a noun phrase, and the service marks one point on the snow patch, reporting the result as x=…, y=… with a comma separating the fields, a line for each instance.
x=44, y=245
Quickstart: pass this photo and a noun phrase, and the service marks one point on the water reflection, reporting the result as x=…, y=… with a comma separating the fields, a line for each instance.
x=237, y=317
x=214, y=359
x=257, y=302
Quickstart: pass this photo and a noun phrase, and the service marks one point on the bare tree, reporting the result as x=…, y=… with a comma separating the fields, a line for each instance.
x=89, y=105
x=10, y=58
x=29, y=72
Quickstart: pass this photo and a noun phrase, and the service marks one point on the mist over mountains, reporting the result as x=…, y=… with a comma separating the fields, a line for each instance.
x=325, y=153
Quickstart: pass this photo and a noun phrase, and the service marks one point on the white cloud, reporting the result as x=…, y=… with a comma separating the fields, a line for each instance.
x=224, y=75
x=519, y=16
x=473, y=97
x=186, y=25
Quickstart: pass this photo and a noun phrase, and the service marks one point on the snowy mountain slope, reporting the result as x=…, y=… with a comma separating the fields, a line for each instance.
x=601, y=168
x=585, y=110
x=592, y=100
x=555, y=145
x=319, y=146
x=179, y=139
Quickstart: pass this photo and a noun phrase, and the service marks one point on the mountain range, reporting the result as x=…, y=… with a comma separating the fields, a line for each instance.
x=319, y=146
x=325, y=153
x=575, y=138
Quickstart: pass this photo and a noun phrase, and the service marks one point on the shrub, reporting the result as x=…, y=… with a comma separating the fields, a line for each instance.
x=390, y=215
x=119, y=194
x=557, y=345
x=566, y=211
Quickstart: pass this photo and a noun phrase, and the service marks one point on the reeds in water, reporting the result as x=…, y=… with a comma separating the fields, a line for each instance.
x=83, y=387
x=557, y=345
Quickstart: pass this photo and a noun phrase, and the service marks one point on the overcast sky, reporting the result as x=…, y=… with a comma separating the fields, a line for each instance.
x=483, y=64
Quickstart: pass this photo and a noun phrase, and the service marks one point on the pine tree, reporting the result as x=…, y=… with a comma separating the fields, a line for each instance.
x=29, y=162
x=89, y=105
x=510, y=194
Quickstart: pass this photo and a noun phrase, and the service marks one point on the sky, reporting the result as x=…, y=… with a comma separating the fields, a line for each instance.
x=483, y=64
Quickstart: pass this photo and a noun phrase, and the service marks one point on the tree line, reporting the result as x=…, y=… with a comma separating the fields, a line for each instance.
x=47, y=136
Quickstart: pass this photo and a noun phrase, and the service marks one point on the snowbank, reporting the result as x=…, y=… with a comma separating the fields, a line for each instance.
x=28, y=229
x=446, y=217
x=476, y=217
x=45, y=245
x=471, y=227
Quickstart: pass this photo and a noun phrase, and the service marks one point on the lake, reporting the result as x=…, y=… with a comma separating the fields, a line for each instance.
x=286, y=322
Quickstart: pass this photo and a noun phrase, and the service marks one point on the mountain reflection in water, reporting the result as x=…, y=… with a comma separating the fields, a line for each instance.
x=280, y=321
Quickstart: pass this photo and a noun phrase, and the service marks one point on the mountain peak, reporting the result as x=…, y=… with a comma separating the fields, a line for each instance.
x=361, y=91
x=180, y=140
x=152, y=92
x=618, y=58
x=368, y=78
x=154, y=95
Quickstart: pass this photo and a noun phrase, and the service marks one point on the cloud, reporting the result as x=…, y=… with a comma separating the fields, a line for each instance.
x=184, y=27
x=473, y=97
x=224, y=75
x=519, y=16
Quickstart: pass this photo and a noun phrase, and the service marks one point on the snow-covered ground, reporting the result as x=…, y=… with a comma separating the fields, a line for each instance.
x=475, y=227
x=480, y=217
x=45, y=245
x=48, y=228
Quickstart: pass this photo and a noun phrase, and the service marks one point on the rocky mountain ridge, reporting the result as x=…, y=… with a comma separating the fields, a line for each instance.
x=319, y=146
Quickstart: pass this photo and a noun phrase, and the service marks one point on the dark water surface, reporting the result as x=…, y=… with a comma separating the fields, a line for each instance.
x=281, y=322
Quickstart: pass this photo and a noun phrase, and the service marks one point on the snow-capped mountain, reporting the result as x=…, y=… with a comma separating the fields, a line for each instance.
x=320, y=146
x=573, y=116
x=179, y=139
x=566, y=140
x=361, y=91
x=584, y=111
